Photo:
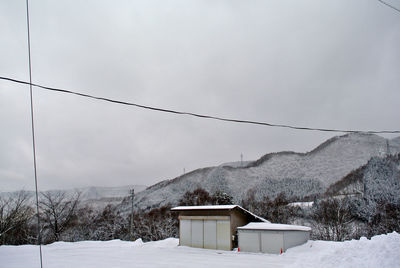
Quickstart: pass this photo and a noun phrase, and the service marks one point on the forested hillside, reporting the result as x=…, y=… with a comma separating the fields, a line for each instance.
x=300, y=175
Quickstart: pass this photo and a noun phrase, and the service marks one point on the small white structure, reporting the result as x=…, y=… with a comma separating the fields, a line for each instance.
x=212, y=227
x=271, y=237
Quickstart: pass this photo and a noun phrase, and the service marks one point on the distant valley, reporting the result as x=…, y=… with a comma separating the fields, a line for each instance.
x=95, y=196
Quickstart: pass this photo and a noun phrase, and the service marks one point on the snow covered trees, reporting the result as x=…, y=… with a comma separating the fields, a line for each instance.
x=196, y=198
x=156, y=224
x=276, y=211
x=385, y=220
x=221, y=198
x=371, y=207
x=201, y=197
x=291, y=187
x=110, y=224
x=375, y=191
x=332, y=219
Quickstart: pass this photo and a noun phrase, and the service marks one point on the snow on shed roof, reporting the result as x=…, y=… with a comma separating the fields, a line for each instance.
x=219, y=207
x=204, y=207
x=274, y=226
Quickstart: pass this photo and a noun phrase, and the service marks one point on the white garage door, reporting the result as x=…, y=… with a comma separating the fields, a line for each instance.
x=223, y=235
x=210, y=234
x=185, y=235
x=205, y=233
x=197, y=234
x=249, y=241
x=271, y=242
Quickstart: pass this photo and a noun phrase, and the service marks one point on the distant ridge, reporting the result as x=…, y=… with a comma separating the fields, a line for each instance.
x=295, y=174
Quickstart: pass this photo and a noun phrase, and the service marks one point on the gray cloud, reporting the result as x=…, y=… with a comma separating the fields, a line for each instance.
x=333, y=65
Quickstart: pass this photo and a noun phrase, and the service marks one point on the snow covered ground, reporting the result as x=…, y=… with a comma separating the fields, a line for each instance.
x=380, y=251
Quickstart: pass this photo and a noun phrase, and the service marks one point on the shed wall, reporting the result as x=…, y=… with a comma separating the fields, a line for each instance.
x=270, y=241
x=295, y=238
x=185, y=233
x=237, y=219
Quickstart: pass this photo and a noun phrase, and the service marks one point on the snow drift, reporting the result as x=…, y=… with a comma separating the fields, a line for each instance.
x=381, y=251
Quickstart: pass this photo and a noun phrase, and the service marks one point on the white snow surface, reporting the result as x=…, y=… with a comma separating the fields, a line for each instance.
x=381, y=251
x=301, y=204
x=205, y=207
x=274, y=226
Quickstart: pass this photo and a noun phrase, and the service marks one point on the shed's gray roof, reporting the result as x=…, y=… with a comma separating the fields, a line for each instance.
x=219, y=207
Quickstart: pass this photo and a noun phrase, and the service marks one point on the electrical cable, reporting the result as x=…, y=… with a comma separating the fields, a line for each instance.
x=389, y=5
x=200, y=115
x=39, y=236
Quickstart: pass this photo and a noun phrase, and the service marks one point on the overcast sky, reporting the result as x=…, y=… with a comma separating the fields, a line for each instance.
x=328, y=64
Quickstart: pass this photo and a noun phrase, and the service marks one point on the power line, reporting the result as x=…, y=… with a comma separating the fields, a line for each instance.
x=389, y=5
x=199, y=115
x=39, y=236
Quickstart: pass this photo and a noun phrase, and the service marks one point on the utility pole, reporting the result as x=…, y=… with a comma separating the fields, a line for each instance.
x=241, y=159
x=132, y=192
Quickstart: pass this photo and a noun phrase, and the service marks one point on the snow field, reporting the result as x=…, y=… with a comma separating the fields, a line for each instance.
x=381, y=251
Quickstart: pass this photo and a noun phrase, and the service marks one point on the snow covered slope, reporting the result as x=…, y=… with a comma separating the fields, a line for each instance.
x=102, y=196
x=98, y=197
x=381, y=251
x=94, y=192
x=296, y=174
x=396, y=141
x=378, y=180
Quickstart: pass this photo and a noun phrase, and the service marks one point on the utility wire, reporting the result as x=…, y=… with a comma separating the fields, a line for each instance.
x=389, y=5
x=199, y=115
x=39, y=236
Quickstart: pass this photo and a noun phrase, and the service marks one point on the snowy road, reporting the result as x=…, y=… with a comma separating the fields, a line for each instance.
x=380, y=251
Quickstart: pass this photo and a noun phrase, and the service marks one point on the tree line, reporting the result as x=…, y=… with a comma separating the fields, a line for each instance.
x=63, y=218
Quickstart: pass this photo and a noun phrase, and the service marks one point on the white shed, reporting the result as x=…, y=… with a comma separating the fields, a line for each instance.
x=212, y=227
x=271, y=237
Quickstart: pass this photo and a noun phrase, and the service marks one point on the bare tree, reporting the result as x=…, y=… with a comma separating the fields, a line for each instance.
x=332, y=219
x=58, y=211
x=15, y=215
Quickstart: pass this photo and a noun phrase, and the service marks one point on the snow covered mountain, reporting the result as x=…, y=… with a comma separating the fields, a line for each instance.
x=377, y=180
x=98, y=197
x=102, y=196
x=296, y=174
x=94, y=192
